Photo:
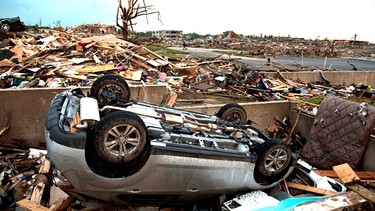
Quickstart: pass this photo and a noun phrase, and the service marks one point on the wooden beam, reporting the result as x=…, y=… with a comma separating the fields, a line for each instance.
x=346, y=174
x=309, y=188
x=45, y=166
x=366, y=193
x=289, y=137
x=140, y=63
x=351, y=180
x=65, y=204
x=363, y=175
x=31, y=205
x=94, y=69
x=37, y=192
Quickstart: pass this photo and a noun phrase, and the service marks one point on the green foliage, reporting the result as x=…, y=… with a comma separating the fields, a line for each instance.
x=195, y=35
x=165, y=51
x=316, y=99
x=144, y=34
x=369, y=101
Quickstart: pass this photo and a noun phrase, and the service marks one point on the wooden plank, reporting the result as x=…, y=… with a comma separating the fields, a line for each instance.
x=363, y=175
x=31, y=206
x=349, y=177
x=37, y=194
x=65, y=204
x=45, y=166
x=93, y=69
x=291, y=132
x=140, y=63
x=346, y=173
x=171, y=100
x=299, y=101
x=309, y=188
x=370, y=195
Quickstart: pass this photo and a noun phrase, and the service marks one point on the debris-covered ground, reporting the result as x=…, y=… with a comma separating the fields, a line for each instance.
x=57, y=58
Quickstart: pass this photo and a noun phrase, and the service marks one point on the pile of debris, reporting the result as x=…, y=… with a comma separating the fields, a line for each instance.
x=60, y=59
x=56, y=58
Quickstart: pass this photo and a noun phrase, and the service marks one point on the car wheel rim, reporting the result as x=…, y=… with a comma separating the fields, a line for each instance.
x=122, y=140
x=5, y=27
x=110, y=93
x=234, y=117
x=276, y=160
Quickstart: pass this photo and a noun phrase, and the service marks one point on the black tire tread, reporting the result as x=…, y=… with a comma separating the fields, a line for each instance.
x=223, y=112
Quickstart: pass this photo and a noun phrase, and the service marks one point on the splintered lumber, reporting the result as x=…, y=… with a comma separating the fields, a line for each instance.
x=299, y=101
x=45, y=165
x=289, y=137
x=309, y=188
x=94, y=69
x=38, y=192
x=351, y=180
x=171, y=100
x=65, y=204
x=240, y=91
x=363, y=175
x=346, y=174
x=31, y=205
x=140, y=63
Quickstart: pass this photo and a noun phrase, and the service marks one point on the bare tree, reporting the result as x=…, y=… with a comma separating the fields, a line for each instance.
x=126, y=15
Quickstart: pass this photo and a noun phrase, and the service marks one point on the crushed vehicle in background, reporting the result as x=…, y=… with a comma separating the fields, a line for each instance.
x=12, y=24
x=105, y=147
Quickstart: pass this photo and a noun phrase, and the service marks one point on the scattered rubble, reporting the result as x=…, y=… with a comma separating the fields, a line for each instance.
x=56, y=58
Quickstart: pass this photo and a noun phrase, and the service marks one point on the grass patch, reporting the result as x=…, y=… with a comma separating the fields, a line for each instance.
x=316, y=100
x=367, y=100
x=163, y=50
x=233, y=52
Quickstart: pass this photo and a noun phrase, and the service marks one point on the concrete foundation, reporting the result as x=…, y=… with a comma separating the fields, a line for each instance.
x=25, y=111
x=345, y=78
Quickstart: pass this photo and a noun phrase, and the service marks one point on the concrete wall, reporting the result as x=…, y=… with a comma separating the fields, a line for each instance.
x=27, y=109
x=334, y=77
x=261, y=113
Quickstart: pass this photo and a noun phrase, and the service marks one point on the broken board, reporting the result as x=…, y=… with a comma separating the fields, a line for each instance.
x=349, y=178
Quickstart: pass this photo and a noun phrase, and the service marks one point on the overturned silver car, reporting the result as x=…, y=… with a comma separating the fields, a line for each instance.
x=105, y=147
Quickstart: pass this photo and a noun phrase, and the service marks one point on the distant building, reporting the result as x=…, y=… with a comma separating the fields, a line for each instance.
x=168, y=34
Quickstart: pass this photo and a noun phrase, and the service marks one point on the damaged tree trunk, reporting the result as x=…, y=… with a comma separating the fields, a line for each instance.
x=125, y=15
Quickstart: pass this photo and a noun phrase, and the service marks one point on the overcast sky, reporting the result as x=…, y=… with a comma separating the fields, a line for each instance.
x=334, y=19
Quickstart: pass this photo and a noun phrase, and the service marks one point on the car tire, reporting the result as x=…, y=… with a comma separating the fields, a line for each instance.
x=121, y=138
x=232, y=112
x=5, y=26
x=109, y=90
x=273, y=158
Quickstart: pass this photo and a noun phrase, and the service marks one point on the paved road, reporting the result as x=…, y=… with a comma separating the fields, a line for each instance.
x=340, y=64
